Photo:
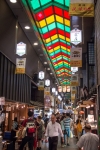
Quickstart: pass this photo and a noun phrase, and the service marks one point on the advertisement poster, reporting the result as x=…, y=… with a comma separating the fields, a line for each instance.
x=82, y=8
x=76, y=57
x=74, y=80
x=20, y=65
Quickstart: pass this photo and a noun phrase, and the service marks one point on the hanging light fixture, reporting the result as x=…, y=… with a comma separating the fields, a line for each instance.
x=56, y=92
x=41, y=75
x=47, y=82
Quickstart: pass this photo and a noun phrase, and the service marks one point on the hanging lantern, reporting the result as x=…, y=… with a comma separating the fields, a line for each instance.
x=68, y=88
x=53, y=90
x=56, y=93
x=47, y=82
x=74, y=69
x=41, y=75
x=59, y=89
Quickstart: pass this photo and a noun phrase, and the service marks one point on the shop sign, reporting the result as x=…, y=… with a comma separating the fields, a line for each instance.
x=73, y=89
x=21, y=49
x=41, y=75
x=41, y=85
x=83, y=8
x=2, y=100
x=47, y=82
x=76, y=57
x=72, y=97
x=20, y=65
x=76, y=36
x=74, y=80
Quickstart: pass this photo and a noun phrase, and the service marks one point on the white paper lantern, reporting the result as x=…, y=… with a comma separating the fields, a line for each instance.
x=41, y=75
x=47, y=82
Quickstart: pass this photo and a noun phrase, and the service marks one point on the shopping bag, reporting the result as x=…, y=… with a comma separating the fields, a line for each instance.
x=24, y=132
x=71, y=134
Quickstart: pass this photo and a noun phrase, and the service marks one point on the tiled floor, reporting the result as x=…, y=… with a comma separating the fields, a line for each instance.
x=72, y=146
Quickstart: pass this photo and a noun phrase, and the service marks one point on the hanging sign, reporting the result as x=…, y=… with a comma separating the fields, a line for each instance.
x=47, y=82
x=21, y=49
x=20, y=65
x=41, y=85
x=83, y=8
x=47, y=91
x=59, y=89
x=41, y=75
x=76, y=36
x=68, y=88
x=72, y=97
x=73, y=89
x=74, y=69
x=2, y=100
x=74, y=80
x=76, y=57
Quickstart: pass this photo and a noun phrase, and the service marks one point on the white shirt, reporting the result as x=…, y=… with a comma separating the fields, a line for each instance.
x=53, y=130
x=89, y=141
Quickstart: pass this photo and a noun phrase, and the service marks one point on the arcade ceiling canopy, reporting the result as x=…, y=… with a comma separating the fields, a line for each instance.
x=51, y=22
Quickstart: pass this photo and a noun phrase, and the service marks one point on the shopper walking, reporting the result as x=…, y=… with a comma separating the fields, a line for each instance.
x=67, y=128
x=30, y=132
x=79, y=127
x=88, y=141
x=53, y=130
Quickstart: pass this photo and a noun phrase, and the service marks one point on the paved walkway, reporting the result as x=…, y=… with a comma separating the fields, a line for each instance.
x=72, y=146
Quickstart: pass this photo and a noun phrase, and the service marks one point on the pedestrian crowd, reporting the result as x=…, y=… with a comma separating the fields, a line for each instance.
x=35, y=131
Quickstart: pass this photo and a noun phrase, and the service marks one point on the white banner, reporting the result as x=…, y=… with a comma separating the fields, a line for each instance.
x=76, y=57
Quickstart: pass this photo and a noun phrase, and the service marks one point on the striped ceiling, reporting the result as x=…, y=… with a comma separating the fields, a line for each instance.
x=51, y=22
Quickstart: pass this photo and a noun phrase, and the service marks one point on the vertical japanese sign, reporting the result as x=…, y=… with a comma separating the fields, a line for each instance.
x=73, y=89
x=20, y=65
x=83, y=8
x=76, y=57
x=74, y=80
x=41, y=85
x=72, y=97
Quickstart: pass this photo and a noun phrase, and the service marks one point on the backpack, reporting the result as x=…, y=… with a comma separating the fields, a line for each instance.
x=79, y=127
x=30, y=127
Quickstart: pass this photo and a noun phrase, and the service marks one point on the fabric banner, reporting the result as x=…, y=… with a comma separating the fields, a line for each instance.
x=41, y=85
x=73, y=89
x=83, y=8
x=74, y=80
x=72, y=97
x=20, y=65
x=76, y=57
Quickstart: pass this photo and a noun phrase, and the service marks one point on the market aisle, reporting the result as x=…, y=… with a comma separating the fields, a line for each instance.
x=72, y=146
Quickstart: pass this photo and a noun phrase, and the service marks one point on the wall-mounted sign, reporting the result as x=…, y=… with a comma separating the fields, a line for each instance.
x=47, y=82
x=21, y=49
x=2, y=100
x=76, y=36
x=59, y=89
x=41, y=75
x=83, y=8
x=41, y=85
x=20, y=65
x=74, y=80
x=74, y=69
x=76, y=57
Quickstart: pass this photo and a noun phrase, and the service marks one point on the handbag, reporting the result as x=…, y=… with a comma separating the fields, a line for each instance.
x=24, y=132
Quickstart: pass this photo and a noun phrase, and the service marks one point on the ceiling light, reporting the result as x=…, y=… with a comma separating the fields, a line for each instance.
x=48, y=68
x=13, y=1
x=27, y=27
x=51, y=73
x=45, y=63
x=35, y=43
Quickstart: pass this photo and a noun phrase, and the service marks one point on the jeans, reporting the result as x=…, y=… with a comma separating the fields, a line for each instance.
x=25, y=140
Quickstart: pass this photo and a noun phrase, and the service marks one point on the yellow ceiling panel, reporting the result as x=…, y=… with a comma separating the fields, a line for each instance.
x=48, y=40
x=38, y=24
x=50, y=51
x=67, y=39
x=42, y=23
x=50, y=19
x=58, y=47
x=61, y=37
x=59, y=19
x=54, y=37
x=63, y=47
x=67, y=22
